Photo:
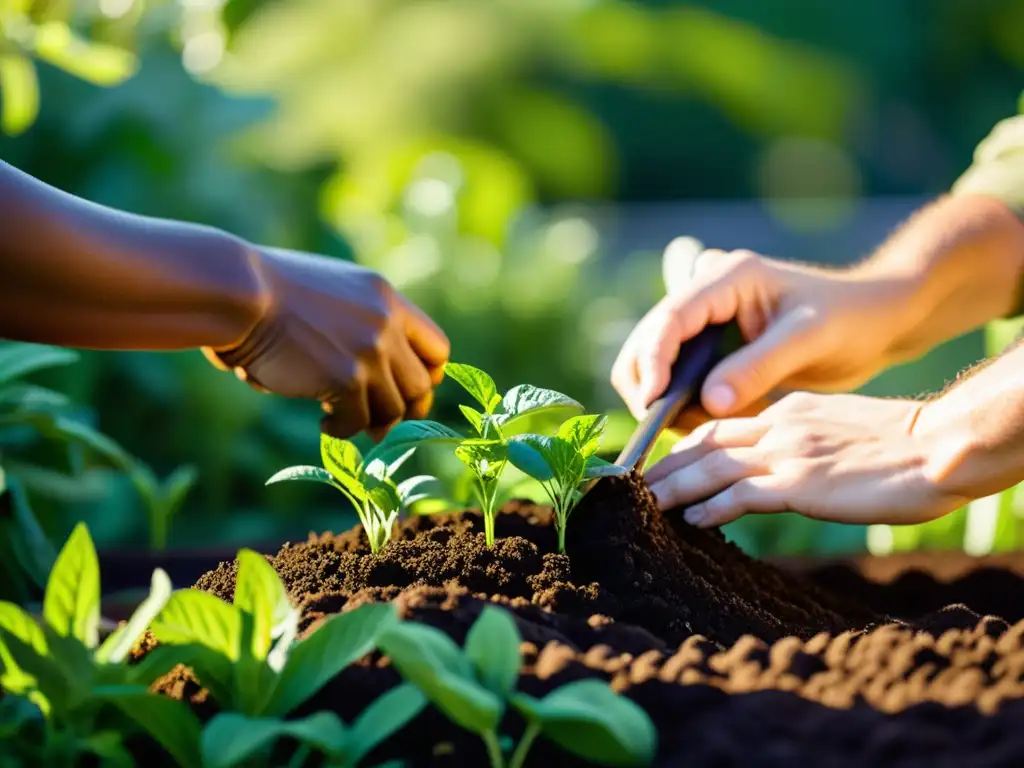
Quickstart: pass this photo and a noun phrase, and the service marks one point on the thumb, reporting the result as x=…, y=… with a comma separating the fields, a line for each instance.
x=752, y=372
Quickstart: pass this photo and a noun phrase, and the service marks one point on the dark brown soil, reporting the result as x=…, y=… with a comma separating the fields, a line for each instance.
x=738, y=662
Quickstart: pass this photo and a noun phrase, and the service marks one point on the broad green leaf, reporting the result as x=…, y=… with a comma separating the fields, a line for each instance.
x=260, y=592
x=583, y=432
x=19, y=94
x=598, y=467
x=326, y=651
x=474, y=417
x=382, y=719
x=71, y=604
x=492, y=646
x=30, y=397
x=382, y=470
x=409, y=434
x=525, y=455
x=19, y=359
x=526, y=398
x=169, y=722
x=385, y=498
x=487, y=457
x=231, y=739
x=311, y=474
x=409, y=489
x=14, y=621
x=194, y=616
x=431, y=661
x=98, y=63
x=479, y=384
x=589, y=719
x=289, y=630
x=119, y=644
x=340, y=457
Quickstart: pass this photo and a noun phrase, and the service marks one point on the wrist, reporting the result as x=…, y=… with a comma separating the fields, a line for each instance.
x=240, y=302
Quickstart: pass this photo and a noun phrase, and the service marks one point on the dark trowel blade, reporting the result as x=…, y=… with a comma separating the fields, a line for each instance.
x=695, y=360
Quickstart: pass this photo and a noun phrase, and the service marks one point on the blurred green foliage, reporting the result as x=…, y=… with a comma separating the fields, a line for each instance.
x=455, y=146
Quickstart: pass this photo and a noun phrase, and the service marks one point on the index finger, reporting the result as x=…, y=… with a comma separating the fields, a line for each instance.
x=425, y=336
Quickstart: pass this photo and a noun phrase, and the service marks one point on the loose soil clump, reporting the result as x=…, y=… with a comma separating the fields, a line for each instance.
x=737, y=661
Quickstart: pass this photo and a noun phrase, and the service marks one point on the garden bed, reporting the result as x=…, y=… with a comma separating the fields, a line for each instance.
x=736, y=661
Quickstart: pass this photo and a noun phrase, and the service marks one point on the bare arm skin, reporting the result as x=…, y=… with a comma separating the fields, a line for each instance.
x=77, y=274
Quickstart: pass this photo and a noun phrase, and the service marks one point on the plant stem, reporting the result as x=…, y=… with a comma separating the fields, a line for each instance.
x=519, y=756
x=489, y=528
x=561, y=537
x=493, y=749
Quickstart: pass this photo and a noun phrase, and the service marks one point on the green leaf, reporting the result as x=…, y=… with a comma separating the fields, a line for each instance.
x=16, y=623
x=492, y=646
x=525, y=455
x=326, y=651
x=119, y=644
x=19, y=359
x=474, y=417
x=15, y=713
x=479, y=384
x=340, y=457
x=431, y=661
x=598, y=467
x=379, y=721
x=487, y=457
x=169, y=722
x=588, y=719
x=526, y=398
x=260, y=592
x=19, y=91
x=29, y=397
x=231, y=739
x=31, y=547
x=178, y=484
x=407, y=489
x=385, y=498
x=213, y=669
x=71, y=604
x=583, y=432
x=62, y=428
x=194, y=616
x=97, y=63
x=409, y=434
x=311, y=474
x=382, y=471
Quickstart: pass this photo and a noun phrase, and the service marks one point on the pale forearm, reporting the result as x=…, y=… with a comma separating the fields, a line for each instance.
x=77, y=274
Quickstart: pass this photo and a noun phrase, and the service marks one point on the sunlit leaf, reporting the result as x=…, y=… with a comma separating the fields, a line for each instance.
x=492, y=646
x=19, y=99
x=379, y=721
x=120, y=642
x=194, y=616
x=98, y=63
x=71, y=604
x=260, y=592
x=308, y=473
x=598, y=467
x=477, y=383
x=231, y=739
x=409, y=434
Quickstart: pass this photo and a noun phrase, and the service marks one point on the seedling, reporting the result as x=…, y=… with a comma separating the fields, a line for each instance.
x=63, y=673
x=564, y=463
x=473, y=685
x=486, y=452
x=368, y=485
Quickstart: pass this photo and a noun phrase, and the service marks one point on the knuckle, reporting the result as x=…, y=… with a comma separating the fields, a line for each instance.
x=717, y=466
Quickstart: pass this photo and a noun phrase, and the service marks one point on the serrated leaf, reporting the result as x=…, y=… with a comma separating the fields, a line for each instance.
x=19, y=359
x=120, y=642
x=339, y=641
x=382, y=719
x=310, y=474
x=231, y=739
x=97, y=63
x=19, y=94
x=526, y=398
x=477, y=383
x=598, y=467
x=492, y=646
x=340, y=457
x=431, y=661
x=194, y=616
x=260, y=592
x=583, y=432
x=526, y=456
x=169, y=722
x=71, y=604
x=588, y=719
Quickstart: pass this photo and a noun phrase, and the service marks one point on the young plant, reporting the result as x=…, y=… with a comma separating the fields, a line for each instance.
x=564, y=463
x=73, y=681
x=246, y=653
x=473, y=685
x=486, y=452
x=368, y=485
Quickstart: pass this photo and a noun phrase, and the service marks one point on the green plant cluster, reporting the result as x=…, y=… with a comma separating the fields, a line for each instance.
x=68, y=694
x=563, y=462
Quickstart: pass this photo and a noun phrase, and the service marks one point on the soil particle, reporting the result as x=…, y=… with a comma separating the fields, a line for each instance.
x=737, y=662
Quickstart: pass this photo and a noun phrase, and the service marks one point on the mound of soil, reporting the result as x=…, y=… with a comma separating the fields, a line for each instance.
x=737, y=661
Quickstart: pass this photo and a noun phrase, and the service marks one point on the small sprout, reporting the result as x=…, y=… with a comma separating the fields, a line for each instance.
x=486, y=452
x=368, y=485
x=564, y=463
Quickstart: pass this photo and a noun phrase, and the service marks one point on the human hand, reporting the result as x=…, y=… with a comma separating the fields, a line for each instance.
x=806, y=328
x=336, y=332
x=844, y=458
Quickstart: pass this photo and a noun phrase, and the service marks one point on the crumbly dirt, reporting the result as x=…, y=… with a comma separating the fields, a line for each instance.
x=738, y=662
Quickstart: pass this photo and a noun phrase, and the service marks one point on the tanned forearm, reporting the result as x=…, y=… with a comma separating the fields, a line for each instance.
x=961, y=260
x=80, y=275
x=976, y=429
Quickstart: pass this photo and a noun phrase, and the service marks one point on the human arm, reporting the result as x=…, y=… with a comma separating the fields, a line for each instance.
x=73, y=273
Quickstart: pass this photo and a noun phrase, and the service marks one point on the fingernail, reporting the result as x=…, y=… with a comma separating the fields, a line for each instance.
x=720, y=397
x=695, y=515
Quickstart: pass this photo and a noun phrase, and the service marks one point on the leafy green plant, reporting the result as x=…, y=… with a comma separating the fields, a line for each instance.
x=564, y=463
x=90, y=697
x=368, y=485
x=473, y=685
x=486, y=452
